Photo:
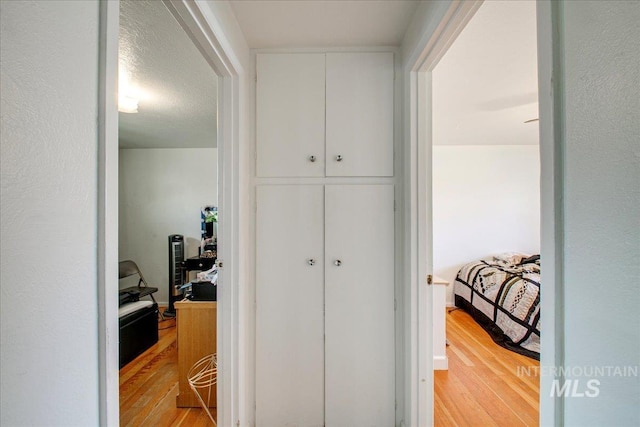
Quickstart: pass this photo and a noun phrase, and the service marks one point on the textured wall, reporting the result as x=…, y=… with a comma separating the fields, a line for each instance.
x=48, y=161
x=602, y=204
x=161, y=193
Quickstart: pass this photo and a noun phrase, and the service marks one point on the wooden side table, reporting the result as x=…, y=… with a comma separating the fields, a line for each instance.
x=197, y=334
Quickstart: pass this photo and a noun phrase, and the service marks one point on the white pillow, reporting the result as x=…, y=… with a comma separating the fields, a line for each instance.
x=508, y=258
x=133, y=307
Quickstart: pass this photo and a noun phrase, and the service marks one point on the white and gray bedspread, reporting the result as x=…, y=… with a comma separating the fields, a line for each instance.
x=503, y=294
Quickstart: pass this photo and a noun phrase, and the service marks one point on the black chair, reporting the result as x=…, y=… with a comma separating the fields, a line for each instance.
x=134, y=293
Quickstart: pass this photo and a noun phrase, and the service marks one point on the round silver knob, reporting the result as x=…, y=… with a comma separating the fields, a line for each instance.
x=338, y=158
x=338, y=263
x=311, y=261
x=312, y=159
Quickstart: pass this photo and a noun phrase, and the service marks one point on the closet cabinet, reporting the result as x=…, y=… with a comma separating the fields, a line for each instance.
x=323, y=114
x=325, y=305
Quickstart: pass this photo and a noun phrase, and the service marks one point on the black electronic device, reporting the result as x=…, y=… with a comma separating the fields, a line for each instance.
x=203, y=291
x=176, y=272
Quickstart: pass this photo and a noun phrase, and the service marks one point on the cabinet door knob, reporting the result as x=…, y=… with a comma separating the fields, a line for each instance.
x=312, y=159
x=338, y=263
x=311, y=261
x=338, y=158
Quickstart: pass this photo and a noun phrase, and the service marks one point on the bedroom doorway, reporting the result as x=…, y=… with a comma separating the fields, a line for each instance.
x=486, y=209
x=420, y=129
x=221, y=61
x=168, y=185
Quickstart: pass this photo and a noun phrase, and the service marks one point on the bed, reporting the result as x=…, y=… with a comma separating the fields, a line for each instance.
x=502, y=293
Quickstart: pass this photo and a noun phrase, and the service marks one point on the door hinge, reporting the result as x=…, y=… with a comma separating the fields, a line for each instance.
x=429, y=279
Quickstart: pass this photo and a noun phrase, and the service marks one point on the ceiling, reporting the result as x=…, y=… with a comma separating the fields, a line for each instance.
x=486, y=86
x=175, y=86
x=316, y=23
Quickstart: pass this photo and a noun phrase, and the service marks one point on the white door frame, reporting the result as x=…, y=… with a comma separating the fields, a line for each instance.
x=207, y=35
x=420, y=371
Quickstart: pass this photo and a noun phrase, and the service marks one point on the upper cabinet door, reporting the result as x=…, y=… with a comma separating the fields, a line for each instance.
x=290, y=110
x=359, y=114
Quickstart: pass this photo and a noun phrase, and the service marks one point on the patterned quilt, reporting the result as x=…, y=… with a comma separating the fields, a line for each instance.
x=503, y=294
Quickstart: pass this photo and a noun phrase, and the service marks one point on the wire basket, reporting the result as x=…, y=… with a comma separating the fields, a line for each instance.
x=203, y=377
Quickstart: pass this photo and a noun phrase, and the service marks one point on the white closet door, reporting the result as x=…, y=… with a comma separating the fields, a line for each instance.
x=289, y=306
x=290, y=109
x=359, y=114
x=359, y=306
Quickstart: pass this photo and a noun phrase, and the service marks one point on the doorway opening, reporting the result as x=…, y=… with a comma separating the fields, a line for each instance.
x=168, y=208
x=486, y=220
x=421, y=89
x=221, y=59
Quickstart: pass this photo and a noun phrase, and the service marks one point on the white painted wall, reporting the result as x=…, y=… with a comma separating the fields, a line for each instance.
x=161, y=193
x=237, y=378
x=48, y=197
x=236, y=321
x=486, y=200
x=416, y=398
x=601, y=144
x=424, y=24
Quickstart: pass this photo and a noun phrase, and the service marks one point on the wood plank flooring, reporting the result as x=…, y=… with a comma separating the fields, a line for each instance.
x=149, y=386
x=485, y=384
x=481, y=388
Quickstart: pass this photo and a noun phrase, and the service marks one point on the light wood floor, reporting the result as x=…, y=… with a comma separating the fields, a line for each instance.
x=149, y=386
x=482, y=386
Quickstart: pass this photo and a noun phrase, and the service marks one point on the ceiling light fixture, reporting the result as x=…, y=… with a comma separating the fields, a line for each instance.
x=129, y=95
x=127, y=104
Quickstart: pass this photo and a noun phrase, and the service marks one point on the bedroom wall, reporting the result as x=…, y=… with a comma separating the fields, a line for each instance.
x=48, y=249
x=600, y=90
x=486, y=200
x=161, y=193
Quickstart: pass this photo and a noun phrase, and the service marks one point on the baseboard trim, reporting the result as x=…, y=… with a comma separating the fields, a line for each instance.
x=440, y=363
